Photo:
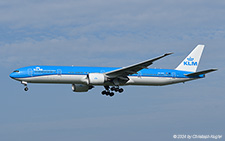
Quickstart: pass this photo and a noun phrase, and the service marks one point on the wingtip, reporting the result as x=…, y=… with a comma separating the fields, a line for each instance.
x=169, y=53
x=215, y=69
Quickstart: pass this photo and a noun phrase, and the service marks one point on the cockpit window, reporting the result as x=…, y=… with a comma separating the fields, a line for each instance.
x=16, y=71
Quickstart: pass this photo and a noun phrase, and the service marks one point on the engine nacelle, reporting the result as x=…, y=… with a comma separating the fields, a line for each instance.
x=96, y=78
x=81, y=87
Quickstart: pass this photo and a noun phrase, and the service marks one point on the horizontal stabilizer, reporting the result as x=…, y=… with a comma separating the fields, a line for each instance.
x=201, y=72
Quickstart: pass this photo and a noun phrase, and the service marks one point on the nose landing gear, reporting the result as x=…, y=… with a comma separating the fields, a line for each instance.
x=25, y=84
x=26, y=89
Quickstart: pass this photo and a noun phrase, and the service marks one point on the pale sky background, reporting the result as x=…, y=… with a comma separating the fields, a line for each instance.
x=110, y=33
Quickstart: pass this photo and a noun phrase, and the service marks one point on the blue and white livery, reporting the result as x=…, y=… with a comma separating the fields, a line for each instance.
x=85, y=78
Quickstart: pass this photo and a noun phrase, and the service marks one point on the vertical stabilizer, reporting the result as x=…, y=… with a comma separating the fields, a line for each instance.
x=190, y=63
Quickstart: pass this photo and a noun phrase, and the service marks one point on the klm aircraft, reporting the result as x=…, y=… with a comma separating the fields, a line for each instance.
x=85, y=78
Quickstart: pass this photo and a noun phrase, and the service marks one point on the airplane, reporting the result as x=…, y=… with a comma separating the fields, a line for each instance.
x=85, y=78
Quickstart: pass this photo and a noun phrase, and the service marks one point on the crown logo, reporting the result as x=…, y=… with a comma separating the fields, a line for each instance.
x=38, y=69
x=190, y=59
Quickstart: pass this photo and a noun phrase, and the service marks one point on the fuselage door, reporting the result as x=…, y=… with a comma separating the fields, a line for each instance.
x=30, y=72
x=139, y=74
x=59, y=71
x=173, y=75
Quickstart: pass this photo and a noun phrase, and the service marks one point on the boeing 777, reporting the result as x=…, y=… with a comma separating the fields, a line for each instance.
x=85, y=78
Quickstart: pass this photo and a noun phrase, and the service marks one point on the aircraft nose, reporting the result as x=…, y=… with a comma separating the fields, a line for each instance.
x=12, y=75
x=15, y=74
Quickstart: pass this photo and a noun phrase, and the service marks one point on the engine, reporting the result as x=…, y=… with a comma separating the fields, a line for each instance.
x=81, y=87
x=96, y=78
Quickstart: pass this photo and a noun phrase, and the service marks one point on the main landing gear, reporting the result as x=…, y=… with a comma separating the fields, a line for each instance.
x=108, y=93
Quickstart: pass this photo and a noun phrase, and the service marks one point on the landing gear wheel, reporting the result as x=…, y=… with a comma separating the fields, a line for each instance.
x=113, y=89
x=111, y=94
x=107, y=93
x=120, y=90
x=25, y=89
x=116, y=89
x=103, y=92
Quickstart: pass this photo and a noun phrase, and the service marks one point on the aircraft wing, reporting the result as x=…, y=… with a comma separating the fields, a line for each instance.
x=201, y=72
x=133, y=69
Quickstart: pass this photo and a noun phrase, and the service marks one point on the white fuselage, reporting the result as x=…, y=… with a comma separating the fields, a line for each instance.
x=81, y=79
